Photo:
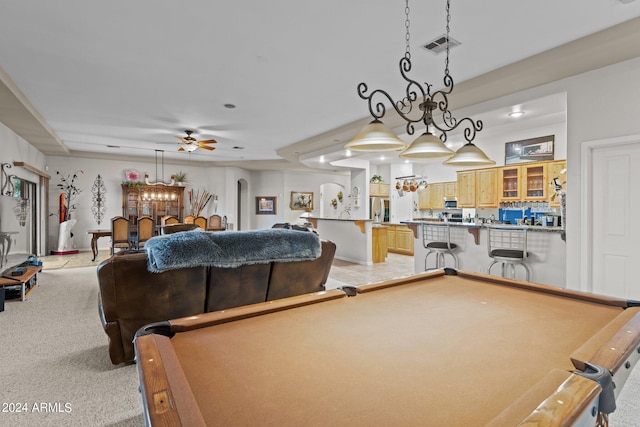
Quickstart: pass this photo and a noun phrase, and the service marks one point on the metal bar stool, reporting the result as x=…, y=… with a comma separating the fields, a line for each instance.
x=508, y=245
x=437, y=239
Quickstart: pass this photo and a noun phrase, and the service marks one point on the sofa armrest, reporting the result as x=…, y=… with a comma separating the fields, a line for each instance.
x=131, y=297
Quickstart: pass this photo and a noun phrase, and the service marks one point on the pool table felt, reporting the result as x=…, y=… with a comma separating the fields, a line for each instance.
x=449, y=350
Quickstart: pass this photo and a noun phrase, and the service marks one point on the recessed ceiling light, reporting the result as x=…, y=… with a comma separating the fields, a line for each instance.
x=237, y=147
x=347, y=153
x=516, y=113
x=321, y=159
x=229, y=106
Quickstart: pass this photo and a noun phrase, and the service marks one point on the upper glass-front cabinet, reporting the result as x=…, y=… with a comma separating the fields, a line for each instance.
x=510, y=183
x=535, y=181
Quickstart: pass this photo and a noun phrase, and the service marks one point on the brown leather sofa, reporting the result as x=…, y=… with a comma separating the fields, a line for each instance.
x=131, y=296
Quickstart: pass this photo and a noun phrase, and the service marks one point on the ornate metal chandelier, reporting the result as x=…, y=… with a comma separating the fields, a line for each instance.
x=419, y=106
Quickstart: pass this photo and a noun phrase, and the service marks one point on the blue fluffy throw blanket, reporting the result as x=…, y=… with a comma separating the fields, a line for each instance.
x=230, y=248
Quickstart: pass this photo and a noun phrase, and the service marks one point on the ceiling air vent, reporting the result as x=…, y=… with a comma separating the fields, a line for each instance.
x=439, y=44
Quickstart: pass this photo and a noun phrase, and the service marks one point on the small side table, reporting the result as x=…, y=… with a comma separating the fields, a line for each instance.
x=22, y=280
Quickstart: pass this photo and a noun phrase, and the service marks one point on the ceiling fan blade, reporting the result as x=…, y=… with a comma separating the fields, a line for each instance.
x=181, y=148
x=206, y=147
x=208, y=141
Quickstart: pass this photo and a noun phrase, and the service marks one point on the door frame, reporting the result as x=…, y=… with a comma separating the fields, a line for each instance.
x=586, y=197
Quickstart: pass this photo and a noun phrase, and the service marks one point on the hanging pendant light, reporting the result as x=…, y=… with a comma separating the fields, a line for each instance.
x=427, y=145
x=469, y=155
x=375, y=136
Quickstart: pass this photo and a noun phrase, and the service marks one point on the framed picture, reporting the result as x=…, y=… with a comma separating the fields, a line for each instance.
x=266, y=205
x=301, y=200
x=529, y=150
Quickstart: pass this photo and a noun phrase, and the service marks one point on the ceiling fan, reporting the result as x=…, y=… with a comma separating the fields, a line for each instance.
x=189, y=143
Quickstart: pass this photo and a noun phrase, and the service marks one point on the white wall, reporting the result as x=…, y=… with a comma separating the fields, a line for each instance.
x=604, y=103
x=15, y=149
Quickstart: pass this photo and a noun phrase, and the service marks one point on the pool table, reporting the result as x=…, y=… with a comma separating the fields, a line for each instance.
x=443, y=348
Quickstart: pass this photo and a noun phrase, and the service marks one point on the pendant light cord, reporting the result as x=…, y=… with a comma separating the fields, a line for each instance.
x=446, y=63
x=407, y=36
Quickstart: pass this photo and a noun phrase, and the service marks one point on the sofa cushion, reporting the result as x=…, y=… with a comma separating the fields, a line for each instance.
x=234, y=287
x=302, y=277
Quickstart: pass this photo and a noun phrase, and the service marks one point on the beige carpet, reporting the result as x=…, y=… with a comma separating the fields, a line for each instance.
x=54, y=353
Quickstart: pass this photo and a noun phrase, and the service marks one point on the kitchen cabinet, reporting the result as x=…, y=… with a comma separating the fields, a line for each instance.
x=378, y=189
x=534, y=181
x=433, y=196
x=436, y=195
x=400, y=239
x=451, y=189
x=466, y=189
x=553, y=171
x=151, y=200
x=379, y=240
x=487, y=188
x=424, y=201
x=529, y=182
x=478, y=188
x=509, y=182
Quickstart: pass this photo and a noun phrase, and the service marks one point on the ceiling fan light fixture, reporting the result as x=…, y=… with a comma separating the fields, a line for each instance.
x=375, y=136
x=190, y=147
x=469, y=155
x=427, y=146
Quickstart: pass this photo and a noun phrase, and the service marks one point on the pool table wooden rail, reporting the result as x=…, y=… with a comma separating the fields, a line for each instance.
x=566, y=398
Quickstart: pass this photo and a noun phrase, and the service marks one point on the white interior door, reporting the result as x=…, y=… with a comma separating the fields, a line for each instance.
x=615, y=205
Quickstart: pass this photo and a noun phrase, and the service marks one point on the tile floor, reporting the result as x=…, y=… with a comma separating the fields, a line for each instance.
x=342, y=273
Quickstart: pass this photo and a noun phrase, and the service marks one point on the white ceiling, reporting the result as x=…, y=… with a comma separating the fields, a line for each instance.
x=82, y=77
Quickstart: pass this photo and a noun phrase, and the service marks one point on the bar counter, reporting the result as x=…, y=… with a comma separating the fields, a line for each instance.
x=546, y=247
x=353, y=237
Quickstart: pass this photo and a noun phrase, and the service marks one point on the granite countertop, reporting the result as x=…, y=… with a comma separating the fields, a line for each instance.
x=341, y=219
x=473, y=225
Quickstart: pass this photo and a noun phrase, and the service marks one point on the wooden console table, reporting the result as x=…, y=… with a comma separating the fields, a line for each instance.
x=95, y=235
x=22, y=280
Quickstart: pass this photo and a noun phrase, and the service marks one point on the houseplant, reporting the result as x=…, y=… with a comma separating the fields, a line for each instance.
x=376, y=178
x=70, y=191
x=180, y=178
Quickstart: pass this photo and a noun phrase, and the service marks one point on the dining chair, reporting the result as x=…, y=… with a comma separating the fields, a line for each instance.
x=146, y=230
x=120, y=233
x=215, y=223
x=189, y=219
x=201, y=222
x=169, y=219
